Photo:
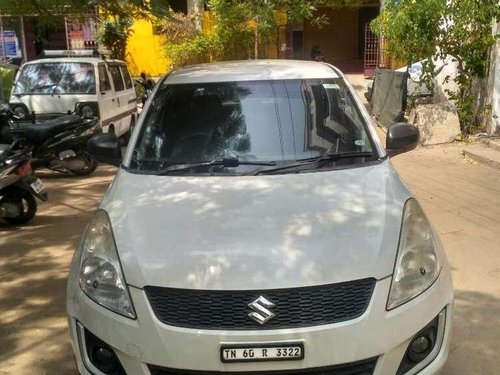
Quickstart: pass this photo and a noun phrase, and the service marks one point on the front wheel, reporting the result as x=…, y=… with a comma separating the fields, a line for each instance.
x=82, y=165
x=21, y=205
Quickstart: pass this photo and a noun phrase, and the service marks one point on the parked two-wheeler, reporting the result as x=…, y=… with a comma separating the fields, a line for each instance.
x=59, y=144
x=18, y=185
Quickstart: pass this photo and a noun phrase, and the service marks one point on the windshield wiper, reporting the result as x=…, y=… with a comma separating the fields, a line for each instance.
x=225, y=162
x=331, y=157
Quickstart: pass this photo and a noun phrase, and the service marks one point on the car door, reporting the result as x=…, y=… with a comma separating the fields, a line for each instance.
x=108, y=105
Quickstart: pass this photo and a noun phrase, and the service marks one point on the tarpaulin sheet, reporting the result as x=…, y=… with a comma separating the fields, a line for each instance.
x=388, y=98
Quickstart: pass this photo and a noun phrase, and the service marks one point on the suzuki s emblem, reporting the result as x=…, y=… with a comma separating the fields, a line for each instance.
x=261, y=310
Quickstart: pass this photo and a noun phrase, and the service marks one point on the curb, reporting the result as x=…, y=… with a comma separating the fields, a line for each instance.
x=482, y=159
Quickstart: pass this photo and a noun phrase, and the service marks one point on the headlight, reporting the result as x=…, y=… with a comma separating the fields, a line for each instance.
x=101, y=277
x=87, y=111
x=417, y=265
x=20, y=111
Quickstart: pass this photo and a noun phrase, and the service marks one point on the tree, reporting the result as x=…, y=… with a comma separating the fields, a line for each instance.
x=56, y=8
x=433, y=29
x=113, y=34
x=253, y=21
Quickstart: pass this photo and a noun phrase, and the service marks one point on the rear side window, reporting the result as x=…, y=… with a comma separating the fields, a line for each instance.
x=104, y=82
x=117, y=78
x=126, y=77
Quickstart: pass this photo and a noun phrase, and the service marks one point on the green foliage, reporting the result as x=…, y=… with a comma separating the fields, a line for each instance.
x=433, y=29
x=56, y=8
x=200, y=49
x=113, y=34
x=7, y=73
x=242, y=29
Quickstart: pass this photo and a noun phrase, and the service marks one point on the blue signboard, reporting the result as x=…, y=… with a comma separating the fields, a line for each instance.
x=11, y=43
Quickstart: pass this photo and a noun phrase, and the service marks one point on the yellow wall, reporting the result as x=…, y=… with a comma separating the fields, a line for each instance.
x=145, y=51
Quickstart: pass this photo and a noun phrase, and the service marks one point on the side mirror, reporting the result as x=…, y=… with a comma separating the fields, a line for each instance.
x=105, y=148
x=401, y=137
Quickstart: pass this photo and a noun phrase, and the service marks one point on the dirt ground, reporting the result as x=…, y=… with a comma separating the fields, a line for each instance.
x=462, y=199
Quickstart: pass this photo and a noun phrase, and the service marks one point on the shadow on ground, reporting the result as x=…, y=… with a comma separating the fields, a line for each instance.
x=34, y=262
x=476, y=335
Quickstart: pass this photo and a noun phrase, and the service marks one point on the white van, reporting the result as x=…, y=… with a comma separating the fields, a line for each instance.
x=89, y=86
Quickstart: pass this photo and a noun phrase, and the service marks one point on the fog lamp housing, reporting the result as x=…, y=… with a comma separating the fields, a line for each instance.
x=98, y=357
x=423, y=347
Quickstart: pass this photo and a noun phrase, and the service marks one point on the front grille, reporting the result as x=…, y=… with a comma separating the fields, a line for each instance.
x=296, y=307
x=358, y=368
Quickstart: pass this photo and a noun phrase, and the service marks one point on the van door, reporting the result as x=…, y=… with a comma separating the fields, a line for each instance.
x=122, y=118
x=108, y=105
x=130, y=88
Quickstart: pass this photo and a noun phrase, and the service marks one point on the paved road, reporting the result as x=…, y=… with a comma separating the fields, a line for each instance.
x=462, y=200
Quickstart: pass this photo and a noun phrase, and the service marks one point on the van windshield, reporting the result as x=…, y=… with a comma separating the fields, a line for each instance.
x=56, y=78
x=254, y=121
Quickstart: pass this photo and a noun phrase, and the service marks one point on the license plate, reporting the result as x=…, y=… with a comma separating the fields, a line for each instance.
x=262, y=352
x=37, y=186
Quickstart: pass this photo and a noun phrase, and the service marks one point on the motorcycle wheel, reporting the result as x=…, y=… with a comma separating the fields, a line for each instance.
x=89, y=167
x=25, y=202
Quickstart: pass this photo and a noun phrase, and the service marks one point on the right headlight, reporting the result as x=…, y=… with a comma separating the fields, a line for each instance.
x=417, y=264
x=20, y=111
x=100, y=275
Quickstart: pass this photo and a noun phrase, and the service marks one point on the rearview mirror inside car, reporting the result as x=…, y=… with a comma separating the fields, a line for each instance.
x=105, y=148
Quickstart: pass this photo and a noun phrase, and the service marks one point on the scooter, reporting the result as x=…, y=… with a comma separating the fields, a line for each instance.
x=18, y=185
x=58, y=144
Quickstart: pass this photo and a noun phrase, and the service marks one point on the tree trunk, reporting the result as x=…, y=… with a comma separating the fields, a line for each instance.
x=256, y=44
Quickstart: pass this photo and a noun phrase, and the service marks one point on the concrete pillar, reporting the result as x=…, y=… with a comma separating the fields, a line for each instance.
x=494, y=123
x=196, y=8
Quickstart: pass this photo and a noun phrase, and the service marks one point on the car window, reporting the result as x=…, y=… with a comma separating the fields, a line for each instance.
x=256, y=121
x=117, y=77
x=104, y=82
x=126, y=77
x=56, y=77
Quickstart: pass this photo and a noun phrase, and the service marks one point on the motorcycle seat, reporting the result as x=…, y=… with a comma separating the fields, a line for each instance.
x=38, y=133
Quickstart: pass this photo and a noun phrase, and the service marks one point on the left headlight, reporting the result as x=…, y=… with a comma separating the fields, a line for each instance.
x=100, y=276
x=417, y=264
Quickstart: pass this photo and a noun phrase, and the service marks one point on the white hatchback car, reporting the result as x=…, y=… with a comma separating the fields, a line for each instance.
x=256, y=225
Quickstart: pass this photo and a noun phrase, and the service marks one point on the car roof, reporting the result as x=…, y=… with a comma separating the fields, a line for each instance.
x=91, y=60
x=252, y=70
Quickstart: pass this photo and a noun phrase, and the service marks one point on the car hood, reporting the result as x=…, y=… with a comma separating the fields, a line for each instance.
x=257, y=232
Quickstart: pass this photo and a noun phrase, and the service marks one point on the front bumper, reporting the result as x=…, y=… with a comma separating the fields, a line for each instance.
x=379, y=334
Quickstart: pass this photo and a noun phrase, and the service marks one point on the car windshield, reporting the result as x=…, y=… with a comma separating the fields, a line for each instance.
x=56, y=77
x=253, y=121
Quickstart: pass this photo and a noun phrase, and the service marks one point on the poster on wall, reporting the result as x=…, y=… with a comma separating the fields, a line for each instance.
x=82, y=33
x=10, y=42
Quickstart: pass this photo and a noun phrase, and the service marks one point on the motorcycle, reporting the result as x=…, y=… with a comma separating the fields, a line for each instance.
x=18, y=185
x=59, y=144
